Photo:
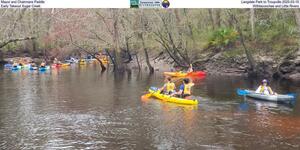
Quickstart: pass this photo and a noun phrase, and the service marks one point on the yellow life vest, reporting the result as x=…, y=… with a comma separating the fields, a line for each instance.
x=187, y=88
x=262, y=89
x=170, y=87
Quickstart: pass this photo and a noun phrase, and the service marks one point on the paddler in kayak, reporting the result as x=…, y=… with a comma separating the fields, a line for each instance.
x=190, y=69
x=15, y=64
x=185, y=89
x=43, y=65
x=169, y=87
x=55, y=61
x=265, y=89
x=32, y=64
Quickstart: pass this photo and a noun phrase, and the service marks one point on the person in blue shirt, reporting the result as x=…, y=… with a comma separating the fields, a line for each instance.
x=185, y=89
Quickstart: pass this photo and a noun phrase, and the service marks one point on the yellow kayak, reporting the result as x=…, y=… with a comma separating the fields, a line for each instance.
x=82, y=62
x=65, y=64
x=175, y=74
x=156, y=93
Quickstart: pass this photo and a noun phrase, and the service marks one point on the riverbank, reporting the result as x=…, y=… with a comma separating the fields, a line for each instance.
x=223, y=64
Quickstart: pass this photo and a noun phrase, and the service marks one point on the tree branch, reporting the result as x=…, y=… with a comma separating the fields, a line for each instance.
x=15, y=40
x=103, y=68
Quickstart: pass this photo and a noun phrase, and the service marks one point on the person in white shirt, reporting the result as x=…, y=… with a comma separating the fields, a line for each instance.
x=190, y=69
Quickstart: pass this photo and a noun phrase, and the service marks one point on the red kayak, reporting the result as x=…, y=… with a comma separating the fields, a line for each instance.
x=55, y=65
x=197, y=73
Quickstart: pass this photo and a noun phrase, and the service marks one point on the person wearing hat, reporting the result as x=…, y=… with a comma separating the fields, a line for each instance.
x=264, y=88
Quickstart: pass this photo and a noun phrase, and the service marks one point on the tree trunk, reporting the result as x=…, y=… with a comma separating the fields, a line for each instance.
x=151, y=69
x=119, y=66
x=211, y=16
x=250, y=58
x=138, y=62
x=141, y=36
x=218, y=18
x=127, y=50
x=252, y=20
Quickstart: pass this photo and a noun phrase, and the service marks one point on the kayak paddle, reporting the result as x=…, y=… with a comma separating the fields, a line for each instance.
x=241, y=92
x=146, y=96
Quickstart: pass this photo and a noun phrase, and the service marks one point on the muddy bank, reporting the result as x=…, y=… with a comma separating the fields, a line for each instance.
x=266, y=66
x=220, y=64
x=289, y=67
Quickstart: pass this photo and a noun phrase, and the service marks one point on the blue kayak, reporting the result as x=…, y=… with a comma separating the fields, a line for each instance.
x=259, y=96
x=33, y=68
x=44, y=68
x=7, y=65
x=16, y=68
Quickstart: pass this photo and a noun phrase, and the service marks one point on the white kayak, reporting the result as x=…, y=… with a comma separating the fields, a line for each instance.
x=274, y=98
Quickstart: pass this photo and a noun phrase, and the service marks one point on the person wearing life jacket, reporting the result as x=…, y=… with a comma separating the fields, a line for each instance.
x=185, y=89
x=264, y=88
x=169, y=87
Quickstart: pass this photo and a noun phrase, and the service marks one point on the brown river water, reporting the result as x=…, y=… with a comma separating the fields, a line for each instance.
x=80, y=108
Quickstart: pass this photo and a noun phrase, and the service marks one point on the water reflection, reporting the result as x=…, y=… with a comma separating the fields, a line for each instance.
x=82, y=108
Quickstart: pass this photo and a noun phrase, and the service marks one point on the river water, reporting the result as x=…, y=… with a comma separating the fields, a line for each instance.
x=80, y=108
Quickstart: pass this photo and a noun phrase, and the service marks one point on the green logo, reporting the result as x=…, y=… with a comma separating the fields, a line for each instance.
x=134, y=3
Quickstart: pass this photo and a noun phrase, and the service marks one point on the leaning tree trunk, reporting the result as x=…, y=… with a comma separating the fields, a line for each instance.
x=252, y=64
x=141, y=36
x=151, y=69
x=2, y=44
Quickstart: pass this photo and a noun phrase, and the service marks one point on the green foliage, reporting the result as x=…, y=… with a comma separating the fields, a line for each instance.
x=11, y=47
x=223, y=38
x=277, y=26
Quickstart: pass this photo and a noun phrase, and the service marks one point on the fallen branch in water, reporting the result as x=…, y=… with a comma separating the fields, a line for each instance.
x=103, y=68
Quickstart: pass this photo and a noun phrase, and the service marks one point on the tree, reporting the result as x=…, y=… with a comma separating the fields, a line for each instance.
x=141, y=35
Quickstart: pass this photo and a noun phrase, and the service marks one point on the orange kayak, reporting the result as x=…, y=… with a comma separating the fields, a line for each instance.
x=184, y=74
